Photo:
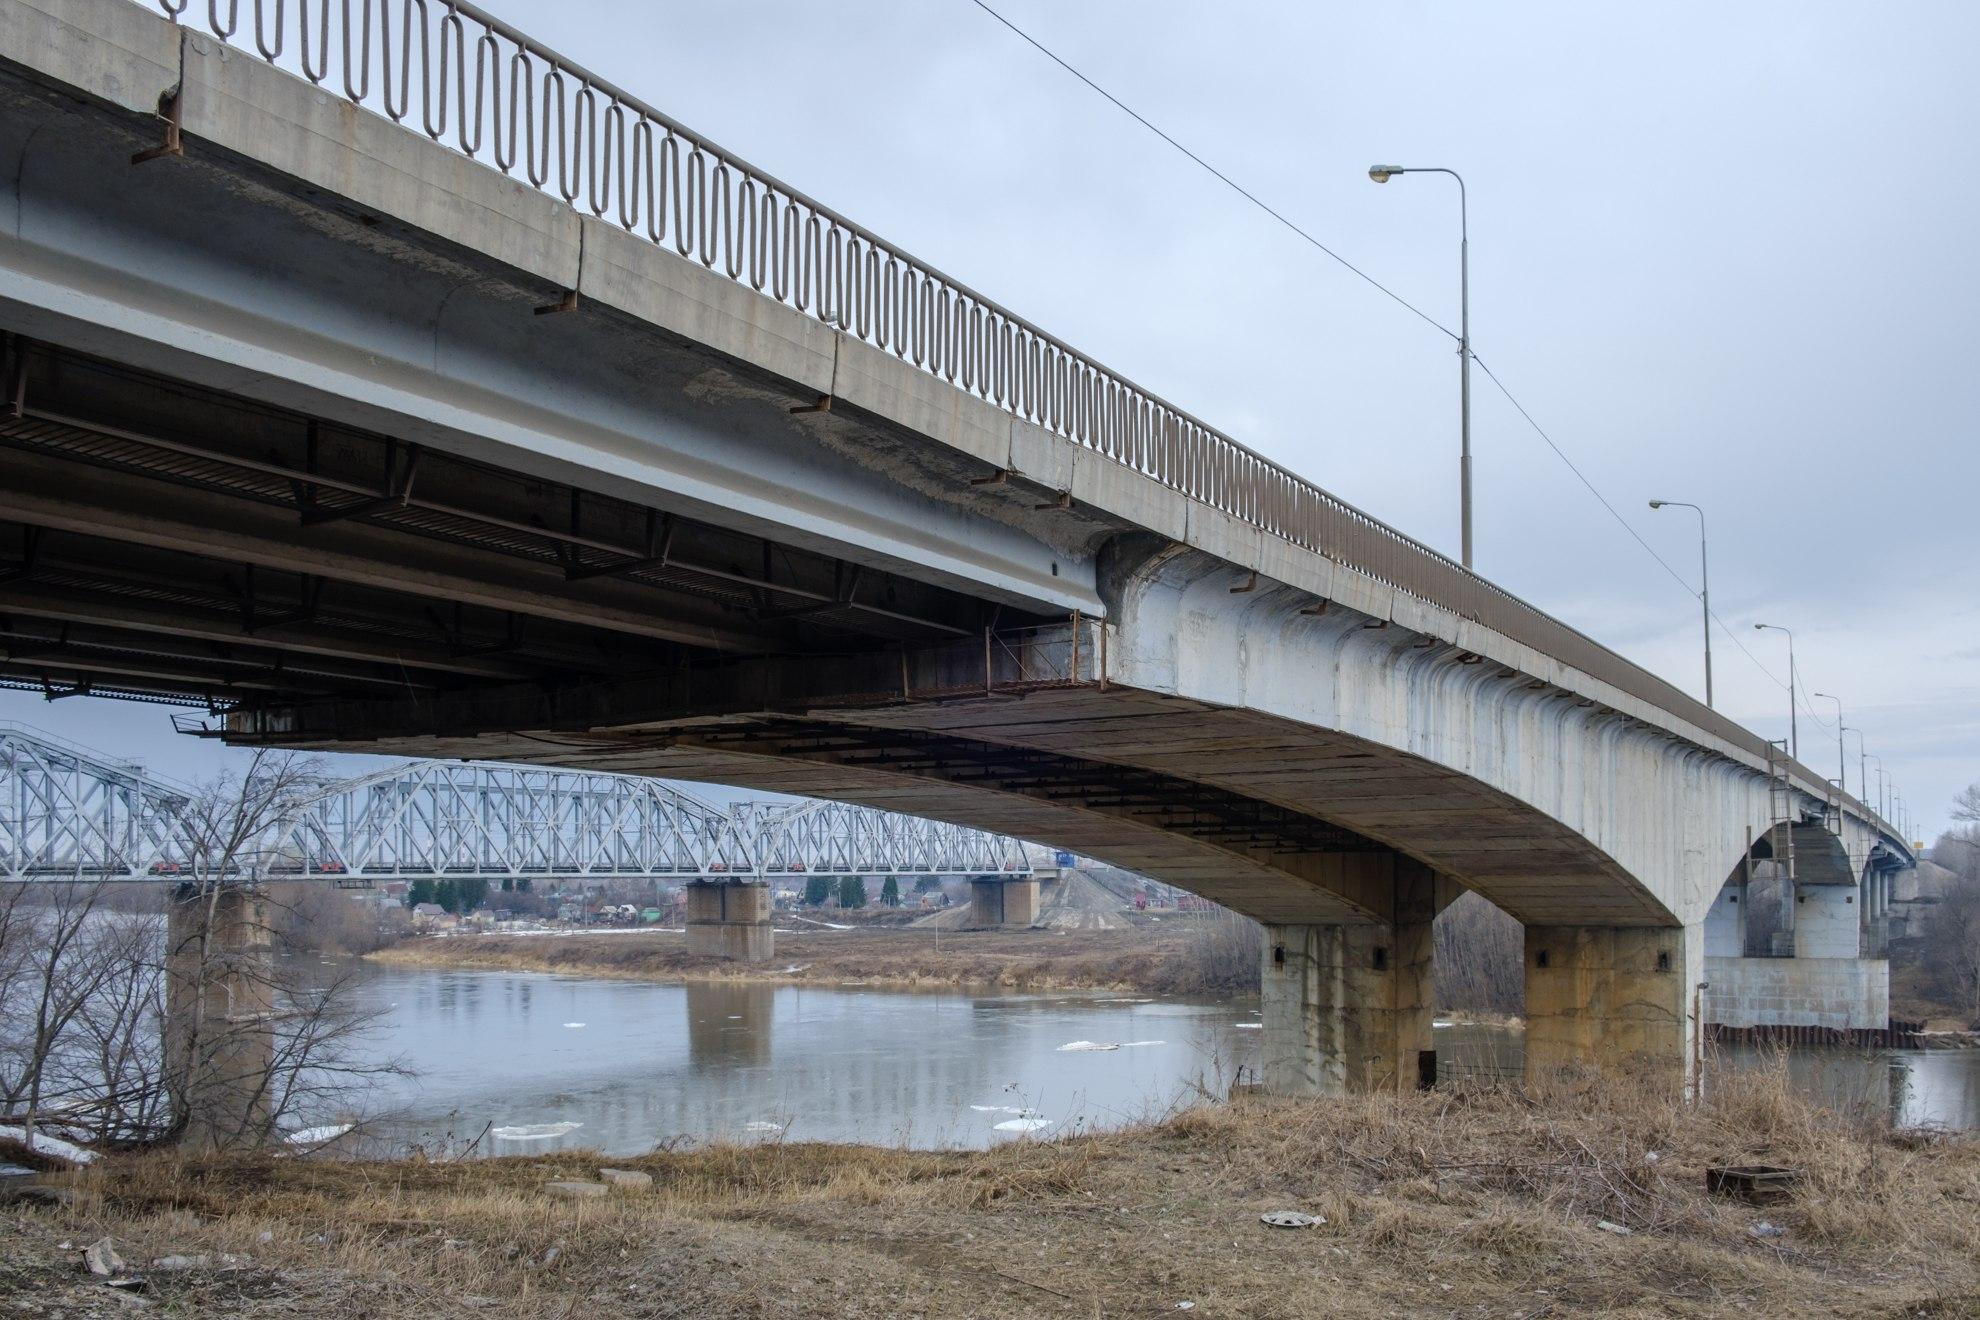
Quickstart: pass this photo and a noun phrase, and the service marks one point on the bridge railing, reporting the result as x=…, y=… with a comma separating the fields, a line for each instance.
x=466, y=79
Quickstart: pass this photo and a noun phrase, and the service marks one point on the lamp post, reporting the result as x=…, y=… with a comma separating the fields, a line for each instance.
x=1842, y=755
x=1794, y=737
x=1704, y=584
x=1382, y=174
x=1862, y=767
x=1883, y=782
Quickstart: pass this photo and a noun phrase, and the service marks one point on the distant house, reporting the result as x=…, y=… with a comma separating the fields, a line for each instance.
x=430, y=916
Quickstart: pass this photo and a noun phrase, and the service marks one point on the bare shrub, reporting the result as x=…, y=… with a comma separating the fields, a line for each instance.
x=1480, y=959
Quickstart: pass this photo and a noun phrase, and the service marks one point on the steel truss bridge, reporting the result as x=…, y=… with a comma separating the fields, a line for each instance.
x=69, y=813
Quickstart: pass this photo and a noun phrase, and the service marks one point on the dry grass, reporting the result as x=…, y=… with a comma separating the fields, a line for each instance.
x=1149, y=957
x=1446, y=1203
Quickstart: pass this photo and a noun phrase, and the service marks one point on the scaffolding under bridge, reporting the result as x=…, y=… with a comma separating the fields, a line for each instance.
x=68, y=813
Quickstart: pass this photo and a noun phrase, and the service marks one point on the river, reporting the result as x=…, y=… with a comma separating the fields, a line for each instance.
x=528, y=1062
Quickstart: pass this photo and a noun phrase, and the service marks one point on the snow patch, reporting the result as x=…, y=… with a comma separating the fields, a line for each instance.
x=43, y=1144
x=1249, y=1026
x=574, y=1025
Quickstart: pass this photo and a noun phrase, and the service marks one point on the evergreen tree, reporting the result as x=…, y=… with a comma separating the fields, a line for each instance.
x=890, y=893
x=420, y=891
x=852, y=891
x=817, y=888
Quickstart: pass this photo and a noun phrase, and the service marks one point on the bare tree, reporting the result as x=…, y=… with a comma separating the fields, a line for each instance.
x=123, y=1026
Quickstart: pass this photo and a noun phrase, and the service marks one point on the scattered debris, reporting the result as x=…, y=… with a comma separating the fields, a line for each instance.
x=1611, y=1226
x=576, y=1190
x=198, y=1262
x=1763, y=1229
x=1757, y=1183
x=1291, y=1219
x=1185, y=1306
x=101, y=1258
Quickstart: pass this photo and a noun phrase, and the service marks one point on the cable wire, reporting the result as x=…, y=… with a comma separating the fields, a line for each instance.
x=1794, y=696
x=1222, y=177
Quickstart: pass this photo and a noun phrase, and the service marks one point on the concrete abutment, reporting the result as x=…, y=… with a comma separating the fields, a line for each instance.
x=1003, y=903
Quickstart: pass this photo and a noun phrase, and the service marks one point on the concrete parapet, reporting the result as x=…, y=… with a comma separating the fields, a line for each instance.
x=219, y=1029
x=1601, y=997
x=1844, y=994
x=1347, y=1008
x=999, y=902
x=729, y=919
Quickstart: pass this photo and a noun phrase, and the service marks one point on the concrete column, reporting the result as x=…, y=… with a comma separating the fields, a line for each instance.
x=1605, y=997
x=729, y=919
x=1347, y=1008
x=219, y=1037
x=997, y=902
x=1825, y=922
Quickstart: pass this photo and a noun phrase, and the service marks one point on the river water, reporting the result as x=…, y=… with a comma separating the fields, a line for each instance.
x=530, y=1062
x=542, y=1061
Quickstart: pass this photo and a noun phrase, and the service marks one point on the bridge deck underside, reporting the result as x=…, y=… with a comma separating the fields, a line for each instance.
x=1257, y=813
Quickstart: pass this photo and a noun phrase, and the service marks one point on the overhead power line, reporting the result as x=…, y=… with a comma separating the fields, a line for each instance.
x=1222, y=177
x=1253, y=198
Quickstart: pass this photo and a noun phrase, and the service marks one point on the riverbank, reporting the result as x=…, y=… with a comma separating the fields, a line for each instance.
x=1439, y=1203
x=1153, y=957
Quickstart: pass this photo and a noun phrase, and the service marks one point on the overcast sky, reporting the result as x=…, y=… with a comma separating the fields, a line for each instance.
x=1725, y=254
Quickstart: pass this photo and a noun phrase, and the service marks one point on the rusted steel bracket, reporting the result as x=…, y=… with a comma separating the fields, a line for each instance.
x=168, y=110
x=1063, y=502
x=567, y=303
x=824, y=404
x=1249, y=584
x=998, y=478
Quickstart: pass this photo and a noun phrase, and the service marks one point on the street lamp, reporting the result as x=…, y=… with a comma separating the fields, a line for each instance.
x=1704, y=584
x=1842, y=756
x=1862, y=766
x=1794, y=737
x=1382, y=174
x=1883, y=784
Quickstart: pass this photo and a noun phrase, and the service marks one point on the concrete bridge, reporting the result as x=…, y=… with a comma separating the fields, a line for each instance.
x=624, y=455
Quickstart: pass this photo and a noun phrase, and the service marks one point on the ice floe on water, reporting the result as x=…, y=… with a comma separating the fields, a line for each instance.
x=1082, y=1046
x=574, y=1025
x=317, y=1136
x=1249, y=1026
x=759, y=1125
x=1004, y=1109
x=1023, y=1124
x=534, y=1131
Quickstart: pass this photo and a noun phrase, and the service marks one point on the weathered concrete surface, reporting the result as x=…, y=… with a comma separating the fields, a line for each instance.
x=1827, y=921
x=1612, y=997
x=1844, y=994
x=219, y=1017
x=1347, y=1008
x=729, y=919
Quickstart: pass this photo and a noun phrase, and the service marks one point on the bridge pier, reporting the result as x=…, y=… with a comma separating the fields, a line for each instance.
x=998, y=902
x=1599, y=997
x=219, y=1038
x=1346, y=1009
x=729, y=919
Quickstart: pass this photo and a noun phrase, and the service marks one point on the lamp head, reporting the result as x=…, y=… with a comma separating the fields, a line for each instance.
x=1656, y=504
x=1381, y=173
